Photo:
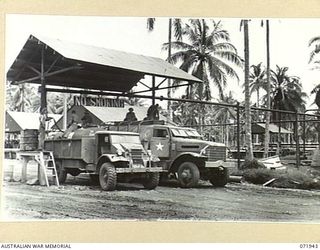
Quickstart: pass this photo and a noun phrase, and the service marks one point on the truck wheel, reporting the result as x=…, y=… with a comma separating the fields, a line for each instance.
x=108, y=177
x=61, y=172
x=151, y=181
x=219, y=178
x=188, y=174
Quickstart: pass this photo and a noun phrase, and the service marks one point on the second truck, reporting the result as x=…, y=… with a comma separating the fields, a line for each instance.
x=183, y=153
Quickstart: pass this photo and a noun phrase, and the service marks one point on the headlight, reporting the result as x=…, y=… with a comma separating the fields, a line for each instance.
x=119, y=152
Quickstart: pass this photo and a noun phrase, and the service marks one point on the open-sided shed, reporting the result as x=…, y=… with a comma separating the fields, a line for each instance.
x=68, y=64
x=55, y=62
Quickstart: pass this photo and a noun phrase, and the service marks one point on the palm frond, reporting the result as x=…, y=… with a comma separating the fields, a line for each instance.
x=230, y=57
x=314, y=40
x=177, y=25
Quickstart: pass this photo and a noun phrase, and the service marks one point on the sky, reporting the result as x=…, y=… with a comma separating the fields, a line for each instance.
x=288, y=40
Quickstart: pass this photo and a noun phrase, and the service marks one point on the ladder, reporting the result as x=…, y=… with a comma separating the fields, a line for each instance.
x=46, y=161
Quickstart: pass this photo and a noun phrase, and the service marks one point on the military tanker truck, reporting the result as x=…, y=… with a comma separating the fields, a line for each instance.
x=182, y=152
x=108, y=156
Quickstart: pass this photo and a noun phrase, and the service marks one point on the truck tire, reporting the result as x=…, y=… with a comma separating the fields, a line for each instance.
x=219, y=178
x=108, y=177
x=151, y=181
x=188, y=174
x=61, y=172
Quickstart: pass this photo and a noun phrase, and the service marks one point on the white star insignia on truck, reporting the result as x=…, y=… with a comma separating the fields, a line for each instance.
x=159, y=146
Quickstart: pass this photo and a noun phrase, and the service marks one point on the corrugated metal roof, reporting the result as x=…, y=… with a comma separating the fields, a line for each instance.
x=118, y=59
x=101, y=68
x=26, y=120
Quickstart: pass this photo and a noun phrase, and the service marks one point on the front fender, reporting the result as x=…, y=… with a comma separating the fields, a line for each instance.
x=194, y=157
x=192, y=154
x=111, y=158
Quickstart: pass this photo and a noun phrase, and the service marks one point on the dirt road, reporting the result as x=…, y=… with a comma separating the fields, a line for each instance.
x=80, y=199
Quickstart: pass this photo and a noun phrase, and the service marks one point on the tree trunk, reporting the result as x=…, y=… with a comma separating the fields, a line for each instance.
x=267, y=134
x=169, y=80
x=248, y=134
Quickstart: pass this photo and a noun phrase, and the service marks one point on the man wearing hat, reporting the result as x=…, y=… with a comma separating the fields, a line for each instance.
x=130, y=116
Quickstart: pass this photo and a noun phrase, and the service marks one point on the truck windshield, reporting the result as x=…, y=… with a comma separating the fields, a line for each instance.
x=187, y=133
x=117, y=139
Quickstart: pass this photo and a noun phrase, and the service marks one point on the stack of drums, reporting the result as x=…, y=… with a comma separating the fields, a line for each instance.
x=29, y=140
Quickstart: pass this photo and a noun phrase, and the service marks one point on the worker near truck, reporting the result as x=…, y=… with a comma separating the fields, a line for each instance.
x=130, y=116
x=153, y=112
x=43, y=119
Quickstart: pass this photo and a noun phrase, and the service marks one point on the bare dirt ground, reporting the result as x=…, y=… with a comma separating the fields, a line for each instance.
x=79, y=199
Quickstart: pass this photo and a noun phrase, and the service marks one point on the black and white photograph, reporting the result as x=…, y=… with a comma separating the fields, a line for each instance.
x=161, y=119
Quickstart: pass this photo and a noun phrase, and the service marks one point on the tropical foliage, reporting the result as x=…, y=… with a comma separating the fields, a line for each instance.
x=257, y=80
x=286, y=91
x=207, y=53
x=25, y=98
x=22, y=98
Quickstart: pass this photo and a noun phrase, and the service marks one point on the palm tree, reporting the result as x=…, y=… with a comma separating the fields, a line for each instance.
x=207, y=55
x=176, y=23
x=267, y=113
x=257, y=81
x=248, y=134
x=287, y=95
x=223, y=114
x=316, y=91
x=315, y=41
x=286, y=91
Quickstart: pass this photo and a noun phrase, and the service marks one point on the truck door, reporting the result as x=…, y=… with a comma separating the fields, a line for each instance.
x=104, y=146
x=159, y=143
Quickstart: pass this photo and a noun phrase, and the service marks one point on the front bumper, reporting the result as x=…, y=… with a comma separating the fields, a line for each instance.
x=215, y=164
x=139, y=169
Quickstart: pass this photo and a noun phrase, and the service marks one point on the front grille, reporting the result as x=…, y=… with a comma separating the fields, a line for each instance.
x=215, y=153
x=136, y=155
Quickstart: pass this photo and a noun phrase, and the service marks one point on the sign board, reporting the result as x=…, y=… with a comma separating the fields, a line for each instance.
x=98, y=101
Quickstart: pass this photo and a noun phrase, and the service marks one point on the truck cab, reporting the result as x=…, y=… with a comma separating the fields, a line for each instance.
x=183, y=153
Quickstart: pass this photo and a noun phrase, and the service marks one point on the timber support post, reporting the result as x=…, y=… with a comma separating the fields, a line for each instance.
x=43, y=104
x=153, y=90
